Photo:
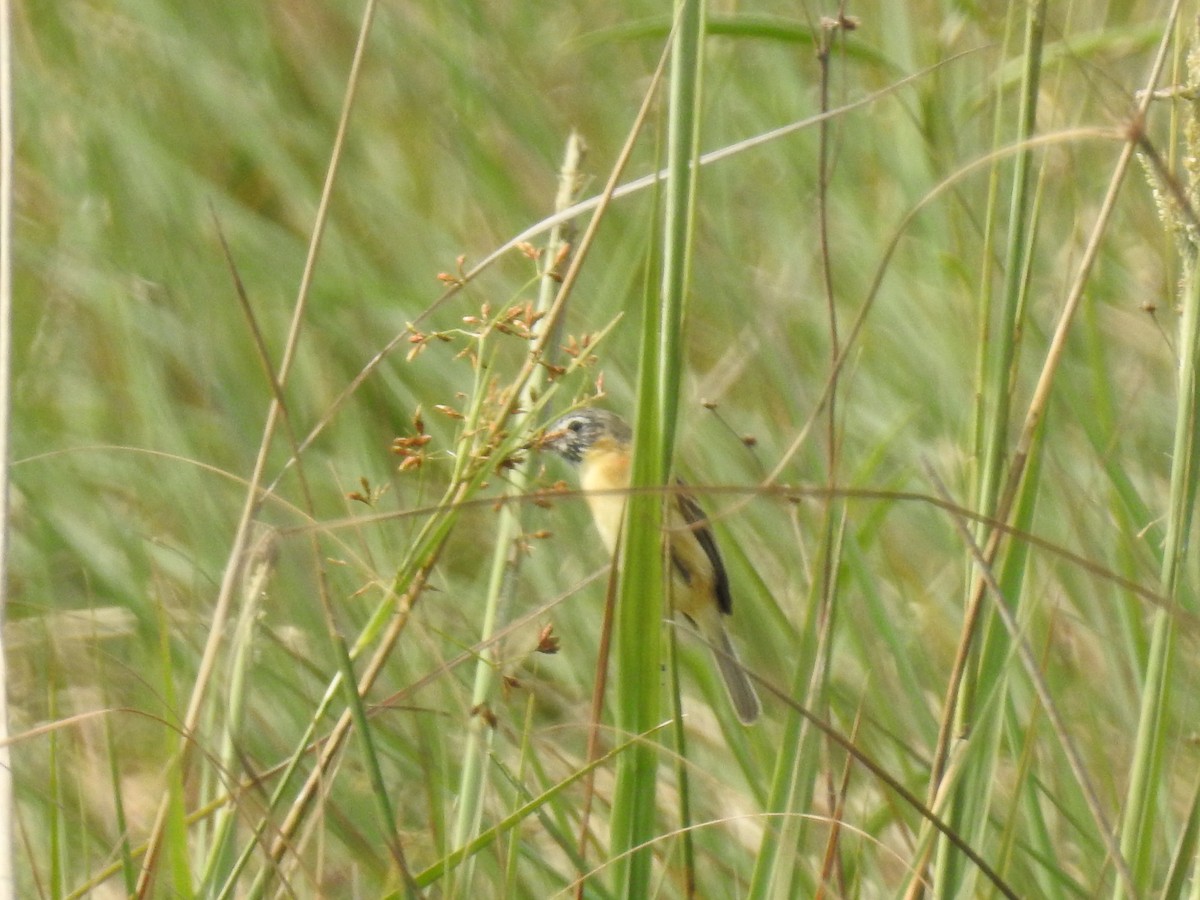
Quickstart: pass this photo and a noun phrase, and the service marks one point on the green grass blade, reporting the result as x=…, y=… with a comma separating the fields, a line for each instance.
x=641, y=603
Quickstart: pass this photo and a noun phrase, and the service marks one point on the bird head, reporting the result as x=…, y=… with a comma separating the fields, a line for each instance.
x=574, y=434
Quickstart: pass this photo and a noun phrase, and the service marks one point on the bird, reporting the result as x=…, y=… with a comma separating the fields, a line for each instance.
x=598, y=442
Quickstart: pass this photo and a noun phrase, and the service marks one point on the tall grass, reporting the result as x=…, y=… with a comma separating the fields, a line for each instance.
x=297, y=607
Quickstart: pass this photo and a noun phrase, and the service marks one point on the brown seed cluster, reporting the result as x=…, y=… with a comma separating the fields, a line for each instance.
x=368, y=496
x=412, y=449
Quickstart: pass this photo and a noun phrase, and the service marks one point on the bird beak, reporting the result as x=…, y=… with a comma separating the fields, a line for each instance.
x=552, y=440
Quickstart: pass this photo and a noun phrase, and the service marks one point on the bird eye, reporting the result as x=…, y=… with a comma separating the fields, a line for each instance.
x=576, y=426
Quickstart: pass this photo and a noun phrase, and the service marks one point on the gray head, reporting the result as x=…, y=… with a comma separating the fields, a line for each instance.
x=573, y=435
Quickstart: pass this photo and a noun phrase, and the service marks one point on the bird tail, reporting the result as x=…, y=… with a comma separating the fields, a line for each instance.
x=741, y=691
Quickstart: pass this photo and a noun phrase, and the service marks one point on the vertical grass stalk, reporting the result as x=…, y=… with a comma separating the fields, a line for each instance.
x=1139, y=844
x=640, y=607
x=970, y=801
x=506, y=556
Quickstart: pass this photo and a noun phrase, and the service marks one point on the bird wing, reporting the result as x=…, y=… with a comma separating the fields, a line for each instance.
x=698, y=526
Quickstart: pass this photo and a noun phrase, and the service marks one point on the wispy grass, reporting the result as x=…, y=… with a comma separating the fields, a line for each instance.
x=950, y=269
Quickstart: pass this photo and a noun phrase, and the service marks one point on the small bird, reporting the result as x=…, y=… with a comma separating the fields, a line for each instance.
x=598, y=442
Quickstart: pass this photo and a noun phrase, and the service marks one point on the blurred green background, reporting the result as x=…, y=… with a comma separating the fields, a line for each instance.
x=140, y=400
